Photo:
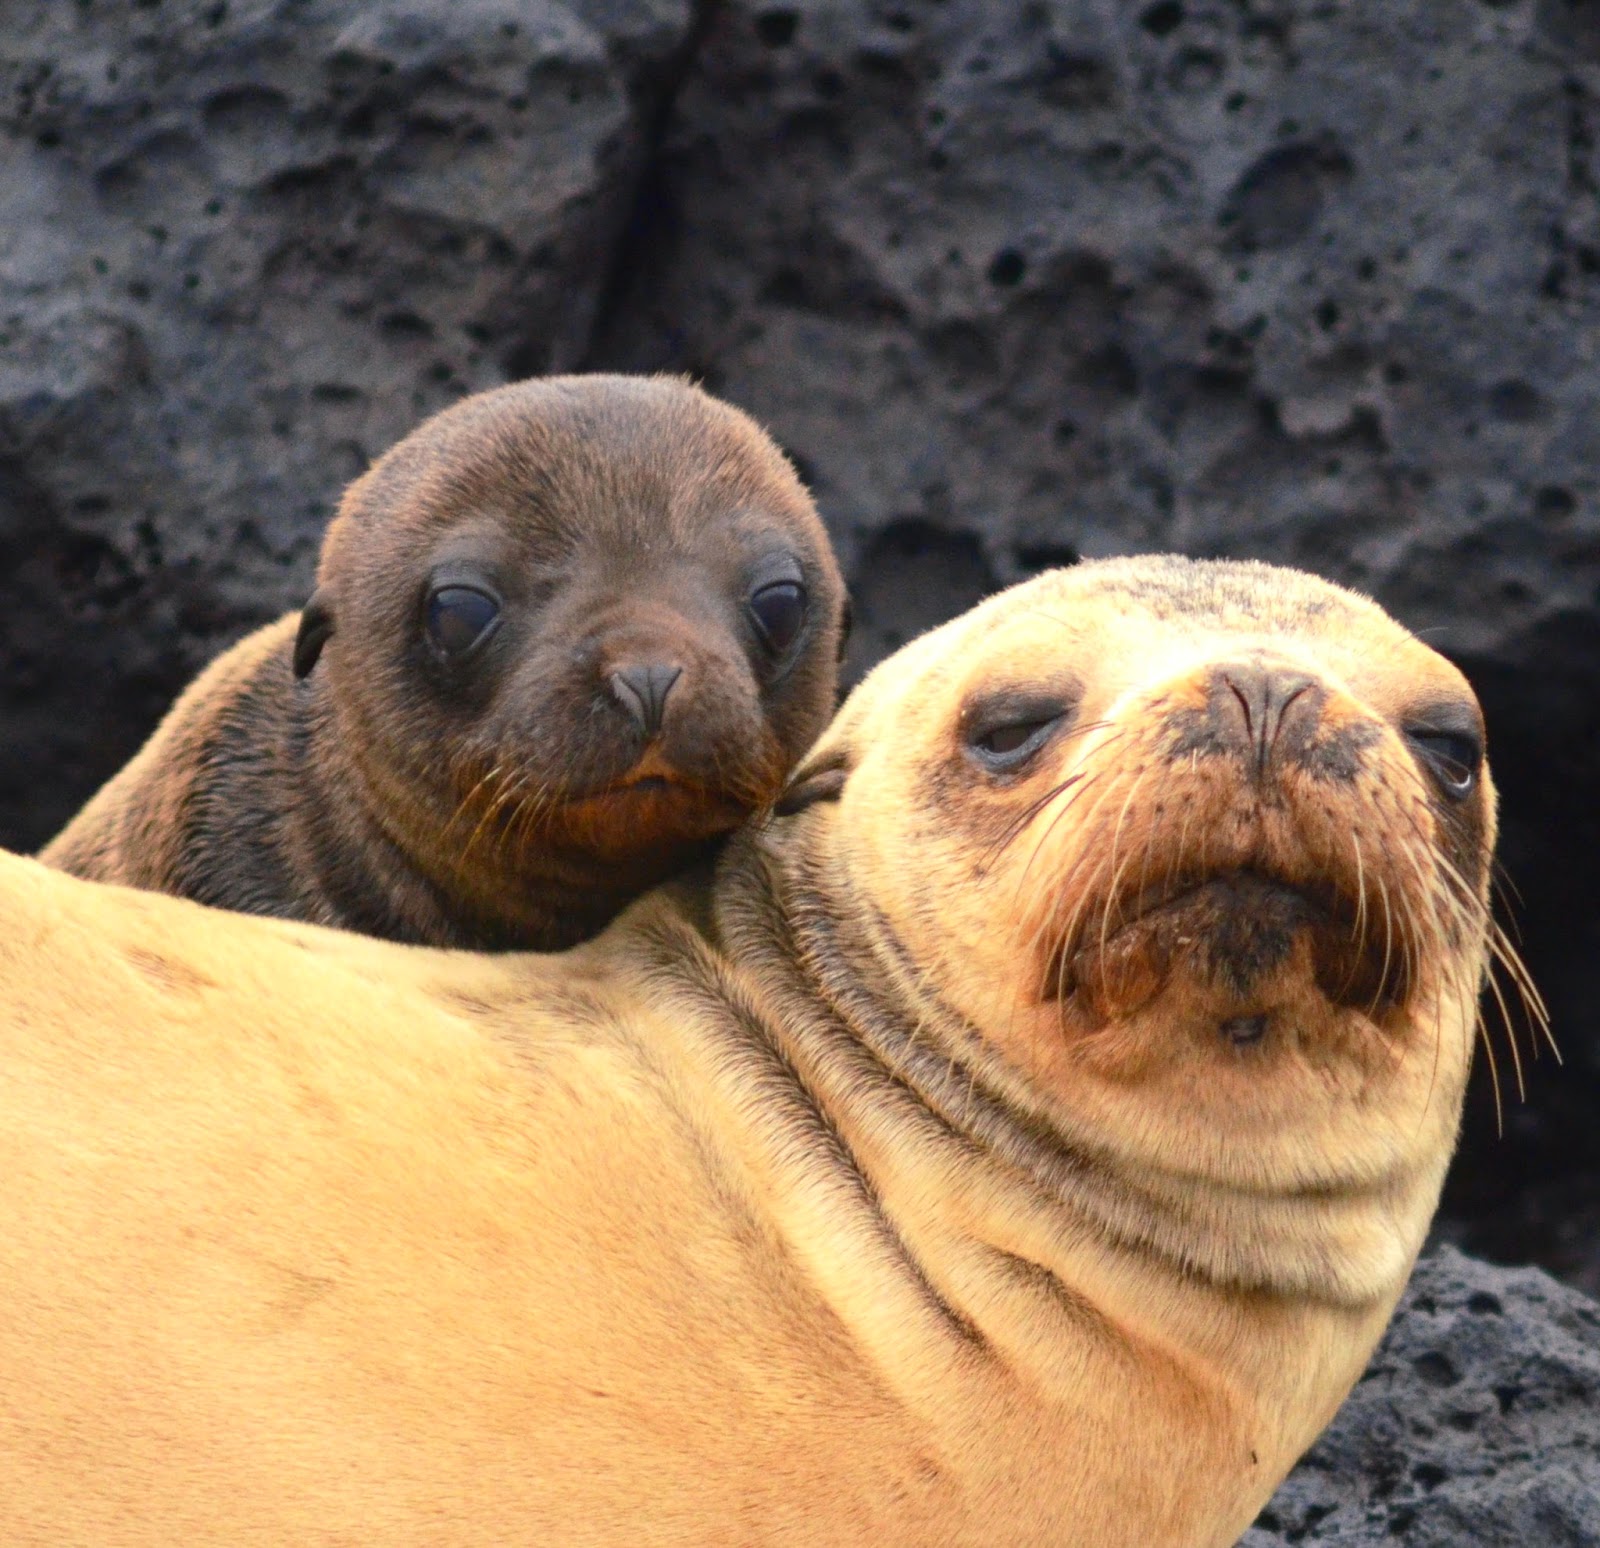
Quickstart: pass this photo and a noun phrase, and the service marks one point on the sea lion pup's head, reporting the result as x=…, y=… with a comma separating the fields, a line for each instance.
x=1169, y=880
x=566, y=632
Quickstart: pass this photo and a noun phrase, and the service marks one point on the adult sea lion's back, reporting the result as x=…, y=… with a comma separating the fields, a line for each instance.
x=1021, y=1139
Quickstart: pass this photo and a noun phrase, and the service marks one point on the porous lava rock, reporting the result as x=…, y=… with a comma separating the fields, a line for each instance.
x=1312, y=280
x=1478, y=1422
x=244, y=246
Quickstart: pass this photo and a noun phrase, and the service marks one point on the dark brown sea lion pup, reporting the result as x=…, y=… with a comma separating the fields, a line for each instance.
x=1022, y=1143
x=564, y=634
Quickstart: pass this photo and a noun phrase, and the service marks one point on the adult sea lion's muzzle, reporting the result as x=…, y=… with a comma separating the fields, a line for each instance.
x=1256, y=855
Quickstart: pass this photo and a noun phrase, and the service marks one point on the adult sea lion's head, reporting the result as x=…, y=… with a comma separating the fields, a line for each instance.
x=1169, y=878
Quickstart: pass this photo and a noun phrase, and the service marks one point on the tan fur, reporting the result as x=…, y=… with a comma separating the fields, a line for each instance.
x=798, y=1207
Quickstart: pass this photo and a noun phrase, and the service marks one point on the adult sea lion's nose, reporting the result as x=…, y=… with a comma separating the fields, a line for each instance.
x=642, y=692
x=1264, y=709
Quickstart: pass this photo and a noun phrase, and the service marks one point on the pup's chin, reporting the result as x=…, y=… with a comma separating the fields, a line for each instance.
x=609, y=822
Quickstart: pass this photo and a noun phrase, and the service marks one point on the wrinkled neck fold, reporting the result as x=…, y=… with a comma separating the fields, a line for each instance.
x=927, y=1104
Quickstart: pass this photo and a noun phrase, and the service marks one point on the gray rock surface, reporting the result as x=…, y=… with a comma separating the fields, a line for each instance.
x=244, y=246
x=1298, y=281
x=1312, y=280
x=1478, y=1423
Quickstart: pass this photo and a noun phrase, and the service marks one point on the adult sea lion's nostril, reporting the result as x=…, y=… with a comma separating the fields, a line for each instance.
x=1261, y=706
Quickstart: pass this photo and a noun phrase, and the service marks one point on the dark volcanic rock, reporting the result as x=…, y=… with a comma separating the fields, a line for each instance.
x=1316, y=283
x=1477, y=1423
x=1292, y=281
x=1305, y=279
x=244, y=247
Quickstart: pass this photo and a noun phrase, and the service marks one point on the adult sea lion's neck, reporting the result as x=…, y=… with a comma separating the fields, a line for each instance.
x=983, y=1210
x=899, y=1075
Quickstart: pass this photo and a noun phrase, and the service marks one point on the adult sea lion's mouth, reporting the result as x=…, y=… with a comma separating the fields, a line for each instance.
x=1234, y=930
x=1244, y=888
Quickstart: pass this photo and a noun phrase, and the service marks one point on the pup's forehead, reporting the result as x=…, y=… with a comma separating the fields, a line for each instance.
x=587, y=455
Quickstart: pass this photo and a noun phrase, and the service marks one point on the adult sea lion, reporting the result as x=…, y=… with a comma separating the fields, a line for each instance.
x=564, y=634
x=1022, y=1139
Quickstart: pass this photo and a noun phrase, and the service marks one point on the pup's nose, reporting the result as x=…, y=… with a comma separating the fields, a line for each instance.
x=642, y=692
x=1263, y=710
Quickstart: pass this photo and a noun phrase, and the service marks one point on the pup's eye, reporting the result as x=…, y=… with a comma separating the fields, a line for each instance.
x=1452, y=757
x=459, y=616
x=779, y=611
x=1004, y=744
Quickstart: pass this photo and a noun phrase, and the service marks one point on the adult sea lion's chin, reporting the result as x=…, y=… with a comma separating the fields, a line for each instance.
x=1187, y=906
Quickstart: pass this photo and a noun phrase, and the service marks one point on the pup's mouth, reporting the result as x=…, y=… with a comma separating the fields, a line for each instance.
x=640, y=823
x=651, y=798
x=645, y=785
x=649, y=809
x=1232, y=930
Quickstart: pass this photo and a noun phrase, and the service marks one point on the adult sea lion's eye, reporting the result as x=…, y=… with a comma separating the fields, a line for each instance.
x=779, y=610
x=1452, y=757
x=459, y=616
x=1002, y=745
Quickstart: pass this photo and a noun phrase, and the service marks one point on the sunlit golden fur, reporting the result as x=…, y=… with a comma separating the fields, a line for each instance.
x=959, y=1165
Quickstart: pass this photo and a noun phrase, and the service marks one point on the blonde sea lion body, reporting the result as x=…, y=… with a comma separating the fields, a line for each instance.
x=1023, y=1141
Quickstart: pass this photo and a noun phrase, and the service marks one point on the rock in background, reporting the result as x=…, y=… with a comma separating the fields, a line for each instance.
x=1315, y=282
x=1477, y=1423
x=244, y=246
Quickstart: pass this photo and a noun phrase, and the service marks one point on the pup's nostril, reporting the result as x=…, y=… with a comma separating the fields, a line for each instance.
x=642, y=692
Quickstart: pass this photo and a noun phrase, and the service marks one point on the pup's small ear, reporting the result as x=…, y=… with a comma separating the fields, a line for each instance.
x=847, y=619
x=819, y=779
x=316, y=625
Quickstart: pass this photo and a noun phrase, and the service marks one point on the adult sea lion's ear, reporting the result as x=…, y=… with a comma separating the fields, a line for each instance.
x=821, y=778
x=316, y=625
x=847, y=619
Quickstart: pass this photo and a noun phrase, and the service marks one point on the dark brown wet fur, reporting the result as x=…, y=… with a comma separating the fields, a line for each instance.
x=337, y=767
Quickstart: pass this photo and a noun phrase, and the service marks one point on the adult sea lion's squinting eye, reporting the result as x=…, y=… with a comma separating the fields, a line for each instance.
x=779, y=611
x=1005, y=740
x=459, y=616
x=1452, y=757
